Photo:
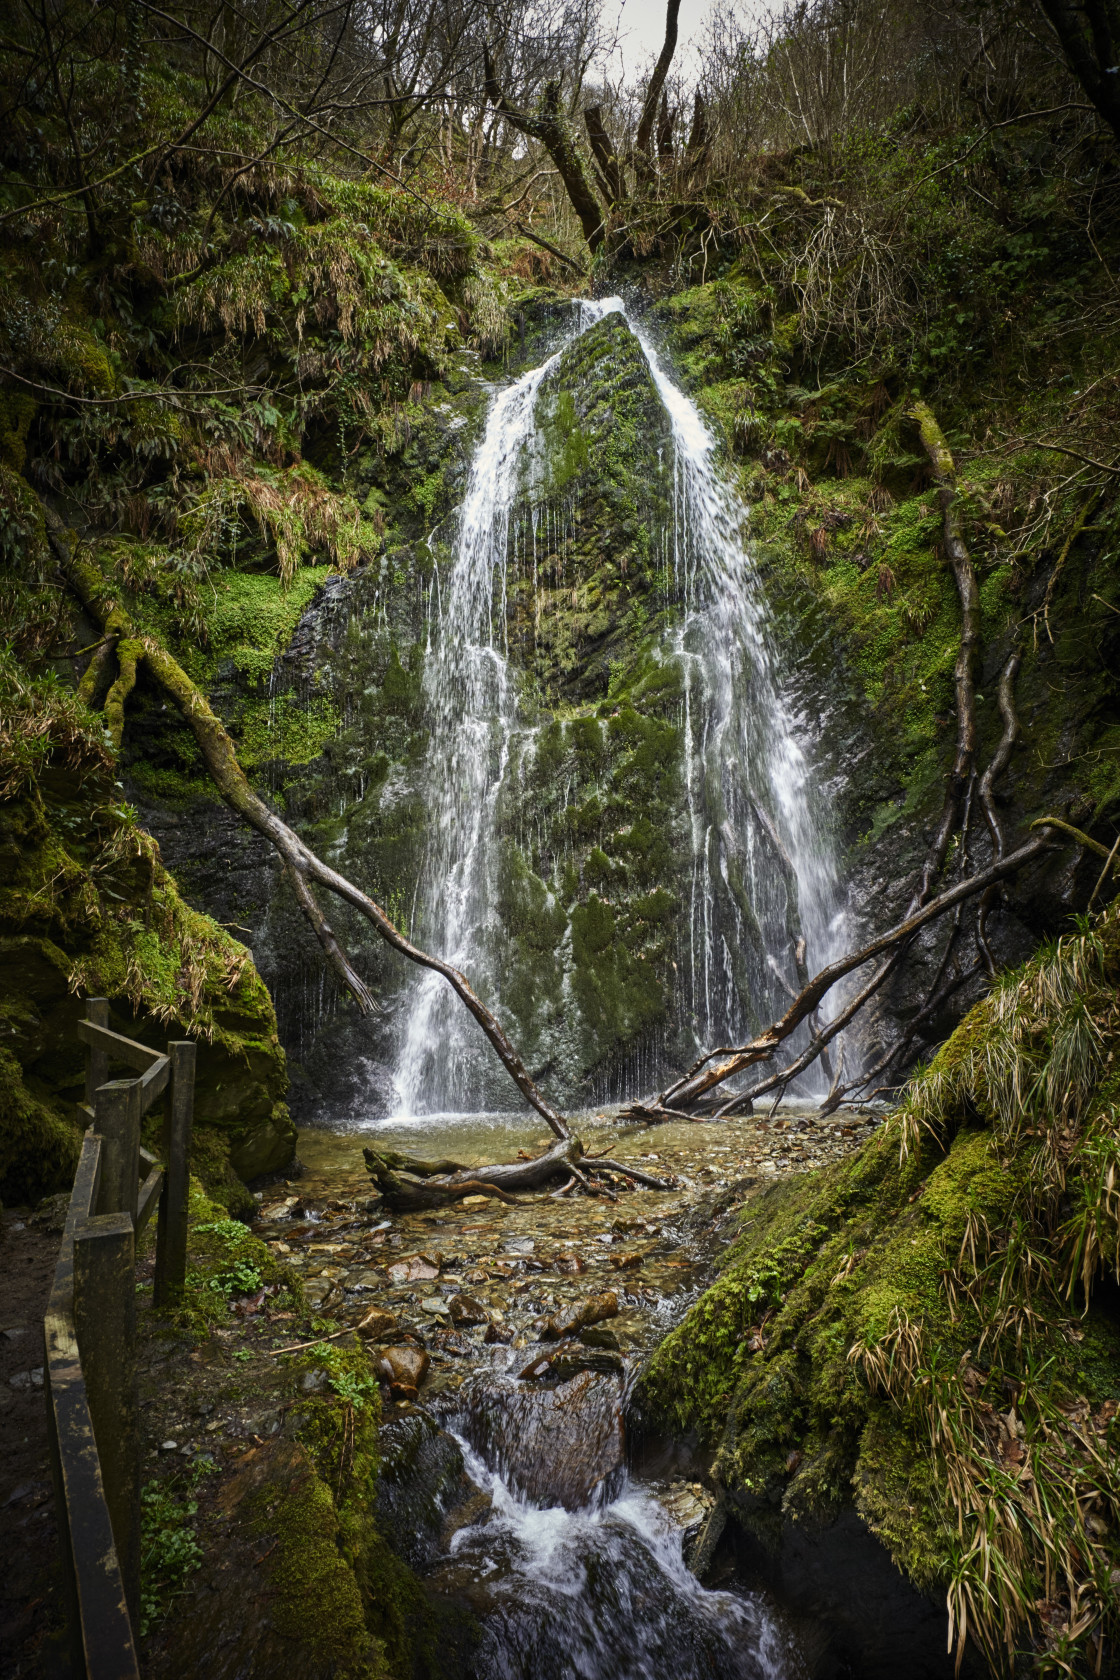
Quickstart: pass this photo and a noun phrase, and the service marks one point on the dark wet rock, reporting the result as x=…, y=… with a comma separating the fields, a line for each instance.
x=593, y=1336
x=860, y=1614
x=465, y=1311
x=423, y=1490
x=558, y=1444
x=567, y=1361
x=377, y=1324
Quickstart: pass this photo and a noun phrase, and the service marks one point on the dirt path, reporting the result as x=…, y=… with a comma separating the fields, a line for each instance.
x=30, y=1587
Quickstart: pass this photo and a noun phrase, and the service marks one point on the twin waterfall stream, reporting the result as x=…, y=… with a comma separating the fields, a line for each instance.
x=754, y=814
x=602, y=1592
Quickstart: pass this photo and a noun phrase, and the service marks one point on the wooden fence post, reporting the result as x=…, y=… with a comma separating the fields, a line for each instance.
x=117, y=1120
x=105, y=1328
x=171, y=1233
x=97, y=1061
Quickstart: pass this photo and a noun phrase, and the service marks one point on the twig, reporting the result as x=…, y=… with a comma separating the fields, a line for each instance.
x=546, y=245
x=1104, y=872
x=297, y=1347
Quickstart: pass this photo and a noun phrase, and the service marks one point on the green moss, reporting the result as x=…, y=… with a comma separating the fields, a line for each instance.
x=38, y=1147
x=871, y=1320
x=87, y=909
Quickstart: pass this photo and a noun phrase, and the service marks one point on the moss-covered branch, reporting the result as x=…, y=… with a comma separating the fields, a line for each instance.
x=945, y=476
x=220, y=755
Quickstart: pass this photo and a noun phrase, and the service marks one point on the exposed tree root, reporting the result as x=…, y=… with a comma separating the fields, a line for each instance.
x=302, y=865
x=945, y=476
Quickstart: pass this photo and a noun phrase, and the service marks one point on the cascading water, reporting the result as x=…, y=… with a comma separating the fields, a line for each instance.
x=473, y=713
x=763, y=870
x=603, y=1593
x=763, y=886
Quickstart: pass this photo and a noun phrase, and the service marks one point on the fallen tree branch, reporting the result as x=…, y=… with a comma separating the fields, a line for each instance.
x=547, y=245
x=421, y=1187
x=685, y=1092
x=336, y=957
x=221, y=760
x=819, y=1042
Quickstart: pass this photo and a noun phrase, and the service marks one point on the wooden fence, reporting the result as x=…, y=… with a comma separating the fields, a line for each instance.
x=90, y=1333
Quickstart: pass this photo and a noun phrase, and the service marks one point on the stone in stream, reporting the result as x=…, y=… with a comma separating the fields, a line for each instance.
x=404, y=1368
x=424, y=1494
x=555, y=1444
x=377, y=1323
x=465, y=1311
x=592, y=1311
x=570, y=1359
x=414, y=1268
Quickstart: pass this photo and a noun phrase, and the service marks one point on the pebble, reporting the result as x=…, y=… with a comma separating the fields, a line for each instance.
x=169, y=1446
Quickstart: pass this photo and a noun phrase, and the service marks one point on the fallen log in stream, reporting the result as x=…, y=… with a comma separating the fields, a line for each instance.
x=410, y=1184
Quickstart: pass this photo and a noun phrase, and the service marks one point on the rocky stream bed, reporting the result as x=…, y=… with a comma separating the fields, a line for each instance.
x=544, y=1536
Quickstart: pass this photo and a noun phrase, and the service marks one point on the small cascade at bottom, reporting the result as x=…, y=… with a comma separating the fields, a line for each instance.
x=576, y=1571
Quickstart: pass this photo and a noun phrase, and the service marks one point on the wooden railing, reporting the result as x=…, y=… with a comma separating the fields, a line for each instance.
x=90, y=1333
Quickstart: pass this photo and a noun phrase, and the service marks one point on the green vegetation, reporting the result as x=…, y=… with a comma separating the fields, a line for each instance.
x=170, y=1552
x=921, y=1329
x=87, y=908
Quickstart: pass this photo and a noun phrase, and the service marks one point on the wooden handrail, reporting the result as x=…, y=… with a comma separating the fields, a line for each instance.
x=90, y=1332
x=102, y=1642
x=126, y=1050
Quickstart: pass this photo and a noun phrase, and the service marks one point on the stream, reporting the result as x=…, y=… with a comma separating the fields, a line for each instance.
x=511, y=1482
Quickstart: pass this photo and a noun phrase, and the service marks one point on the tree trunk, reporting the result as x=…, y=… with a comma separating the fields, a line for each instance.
x=1090, y=39
x=550, y=125
x=643, y=161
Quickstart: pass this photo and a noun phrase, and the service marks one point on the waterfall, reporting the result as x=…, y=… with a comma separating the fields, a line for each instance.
x=472, y=716
x=763, y=873
x=757, y=821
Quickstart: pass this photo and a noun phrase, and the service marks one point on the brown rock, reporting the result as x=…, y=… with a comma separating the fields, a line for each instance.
x=407, y=1366
x=465, y=1311
x=414, y=1268
x=572, y=1264
x=498, y=1333
x=592, y=1311
x=377, y=1323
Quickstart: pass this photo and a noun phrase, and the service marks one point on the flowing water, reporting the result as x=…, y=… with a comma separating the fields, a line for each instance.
x=762, y=909
x=603, y=1593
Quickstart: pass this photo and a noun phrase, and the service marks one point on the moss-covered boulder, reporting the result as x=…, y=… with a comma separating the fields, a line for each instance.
x=87, y=909
x=926, y=1334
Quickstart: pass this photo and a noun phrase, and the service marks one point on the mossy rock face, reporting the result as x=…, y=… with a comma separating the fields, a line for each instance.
x=589, y=551
x=88, y=909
